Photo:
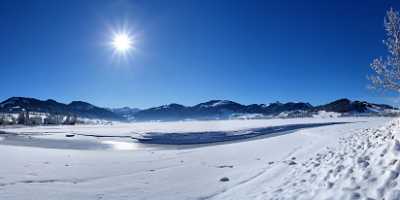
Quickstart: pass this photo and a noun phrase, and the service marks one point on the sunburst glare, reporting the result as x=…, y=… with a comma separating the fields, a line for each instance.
x=122, y=42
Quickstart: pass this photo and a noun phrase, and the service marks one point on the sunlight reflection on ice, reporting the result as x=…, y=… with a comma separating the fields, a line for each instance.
x=117, y=145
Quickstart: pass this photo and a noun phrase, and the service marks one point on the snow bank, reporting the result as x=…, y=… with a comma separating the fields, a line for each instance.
x=365, y=165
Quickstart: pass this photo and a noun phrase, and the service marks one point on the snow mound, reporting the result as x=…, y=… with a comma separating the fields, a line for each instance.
x=365, y=165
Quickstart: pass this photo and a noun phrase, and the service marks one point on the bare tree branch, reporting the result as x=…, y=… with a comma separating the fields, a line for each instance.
x=387, y=71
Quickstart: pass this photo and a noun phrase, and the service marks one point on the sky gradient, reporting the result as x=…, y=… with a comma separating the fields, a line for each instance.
x=189, y=51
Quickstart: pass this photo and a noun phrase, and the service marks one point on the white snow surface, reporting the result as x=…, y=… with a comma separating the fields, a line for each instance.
x=357, y=160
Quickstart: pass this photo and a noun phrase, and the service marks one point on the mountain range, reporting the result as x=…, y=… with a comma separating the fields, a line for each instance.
x=214, y=109
x=224, y=109
x=75, y=108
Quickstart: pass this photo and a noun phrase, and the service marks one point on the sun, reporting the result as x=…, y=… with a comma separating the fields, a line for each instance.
x=122, y=42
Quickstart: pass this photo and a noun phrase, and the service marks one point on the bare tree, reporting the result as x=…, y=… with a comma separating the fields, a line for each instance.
x=387, y=71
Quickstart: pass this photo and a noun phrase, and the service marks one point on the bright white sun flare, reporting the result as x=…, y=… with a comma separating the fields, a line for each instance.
x=122, y=42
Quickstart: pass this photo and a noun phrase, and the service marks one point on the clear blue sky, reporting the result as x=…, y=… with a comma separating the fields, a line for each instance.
x=191, y=51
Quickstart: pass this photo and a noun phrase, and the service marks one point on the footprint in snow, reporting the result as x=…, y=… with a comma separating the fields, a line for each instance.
x=355, y=196
x=292, y=163
x=224, y=179
x=395, y=194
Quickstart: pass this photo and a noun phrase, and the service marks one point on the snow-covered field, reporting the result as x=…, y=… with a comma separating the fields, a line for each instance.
x=356, y=160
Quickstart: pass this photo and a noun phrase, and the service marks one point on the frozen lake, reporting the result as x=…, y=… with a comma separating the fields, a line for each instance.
x=45, y=140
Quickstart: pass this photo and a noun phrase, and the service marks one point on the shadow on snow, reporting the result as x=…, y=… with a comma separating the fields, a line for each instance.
x=193, y=138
